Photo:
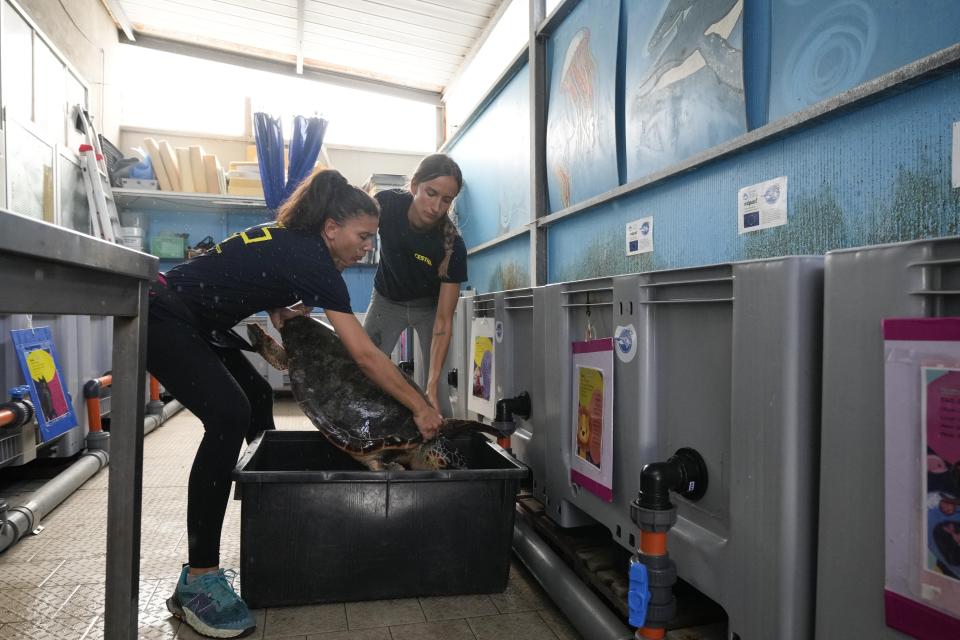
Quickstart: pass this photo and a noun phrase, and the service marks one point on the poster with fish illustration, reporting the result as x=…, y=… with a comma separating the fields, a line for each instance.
x=482, y=398
x=940, y=430
x=41, y=371
x=683, y=88
x=591, y=465
x=581, y=120
x=922, y=475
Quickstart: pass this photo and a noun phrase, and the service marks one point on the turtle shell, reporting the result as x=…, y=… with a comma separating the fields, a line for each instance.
x=341, y=401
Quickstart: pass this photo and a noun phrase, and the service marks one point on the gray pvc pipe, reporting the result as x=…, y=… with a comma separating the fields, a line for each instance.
x=19, y=521
x=592, y=618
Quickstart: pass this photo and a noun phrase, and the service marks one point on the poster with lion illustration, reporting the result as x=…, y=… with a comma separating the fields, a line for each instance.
x=591, y=462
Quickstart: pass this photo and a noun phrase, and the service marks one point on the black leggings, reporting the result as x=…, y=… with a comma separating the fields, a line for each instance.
x=223, y=389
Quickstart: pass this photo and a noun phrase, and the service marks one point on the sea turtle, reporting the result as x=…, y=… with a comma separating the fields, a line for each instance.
x=347, y=407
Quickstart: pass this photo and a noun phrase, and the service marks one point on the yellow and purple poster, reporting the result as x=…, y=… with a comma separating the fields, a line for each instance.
x=940, y=415
x=38, y=362
x=591, y=465
x=482, y=398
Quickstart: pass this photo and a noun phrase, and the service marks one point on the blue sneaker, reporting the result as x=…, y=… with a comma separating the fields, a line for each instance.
x=210, y=605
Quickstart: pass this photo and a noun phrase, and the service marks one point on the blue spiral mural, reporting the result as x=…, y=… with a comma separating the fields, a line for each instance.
x=821, y=48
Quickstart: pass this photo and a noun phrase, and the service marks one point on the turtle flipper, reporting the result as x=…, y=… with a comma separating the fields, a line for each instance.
x=375, y=462
x=271, y=350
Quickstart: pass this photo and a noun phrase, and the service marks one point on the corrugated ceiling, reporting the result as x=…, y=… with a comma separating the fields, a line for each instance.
x=413, y=43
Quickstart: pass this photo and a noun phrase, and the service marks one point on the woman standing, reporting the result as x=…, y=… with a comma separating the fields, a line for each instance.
x=286, y=267
x=423, y=260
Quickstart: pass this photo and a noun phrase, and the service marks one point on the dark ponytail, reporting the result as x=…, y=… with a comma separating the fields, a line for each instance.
x=323, y=194
x=435, y=166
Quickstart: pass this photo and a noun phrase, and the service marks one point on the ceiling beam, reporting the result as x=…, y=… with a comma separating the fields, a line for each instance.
x=283, y=68
x=116, y=10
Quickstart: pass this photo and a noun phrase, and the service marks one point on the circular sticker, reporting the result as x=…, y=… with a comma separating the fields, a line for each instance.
x=625, y=342
x=498, y=331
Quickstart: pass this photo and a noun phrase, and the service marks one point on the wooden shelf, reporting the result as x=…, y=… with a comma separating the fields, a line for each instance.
x=127, y=199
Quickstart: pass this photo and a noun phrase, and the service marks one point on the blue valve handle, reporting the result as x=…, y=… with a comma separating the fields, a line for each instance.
x=639, y=595
x=19, y=393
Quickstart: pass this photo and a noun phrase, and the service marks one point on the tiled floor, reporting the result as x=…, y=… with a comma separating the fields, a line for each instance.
x=51, y=584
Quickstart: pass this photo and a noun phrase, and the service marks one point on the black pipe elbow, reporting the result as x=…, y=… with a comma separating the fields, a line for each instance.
x=507, y=407
x=91, y=389
x=685, y=472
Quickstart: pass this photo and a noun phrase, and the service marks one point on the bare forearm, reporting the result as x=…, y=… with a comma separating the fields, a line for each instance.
x=438, y=354
x=385, y=374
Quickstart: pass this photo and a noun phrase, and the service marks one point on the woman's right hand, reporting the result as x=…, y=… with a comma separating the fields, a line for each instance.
x=428, y=422
x=281, y=315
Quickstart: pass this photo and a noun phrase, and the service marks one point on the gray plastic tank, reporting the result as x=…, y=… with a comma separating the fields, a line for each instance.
x=724, y=359
x=454, y=379
x=862, y=287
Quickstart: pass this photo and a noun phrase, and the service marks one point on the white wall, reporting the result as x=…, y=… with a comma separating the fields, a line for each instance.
x=85, y=34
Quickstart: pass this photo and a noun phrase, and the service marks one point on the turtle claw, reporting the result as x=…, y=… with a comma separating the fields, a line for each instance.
x=271, y=350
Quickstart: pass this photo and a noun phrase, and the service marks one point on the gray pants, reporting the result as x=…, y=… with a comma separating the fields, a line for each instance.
x=386, y=319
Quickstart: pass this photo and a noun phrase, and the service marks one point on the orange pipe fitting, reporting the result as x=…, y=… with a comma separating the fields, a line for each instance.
x=6, y=417
x=91, y=392
x=93, y=415
x=154, y=389
x=653, y=544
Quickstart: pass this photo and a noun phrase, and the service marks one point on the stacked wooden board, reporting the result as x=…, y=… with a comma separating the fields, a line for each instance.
x=186, y=169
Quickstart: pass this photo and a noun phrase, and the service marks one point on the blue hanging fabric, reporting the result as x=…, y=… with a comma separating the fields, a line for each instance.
x=305, y=143
x=269, y=138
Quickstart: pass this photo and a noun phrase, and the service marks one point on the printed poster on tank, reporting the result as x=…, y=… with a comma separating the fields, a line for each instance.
x=482, y=398
x=591, y=462
x=922, y=475
x=38, y=361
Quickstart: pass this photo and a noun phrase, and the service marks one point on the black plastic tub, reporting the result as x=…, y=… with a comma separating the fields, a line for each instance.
x=316, y=526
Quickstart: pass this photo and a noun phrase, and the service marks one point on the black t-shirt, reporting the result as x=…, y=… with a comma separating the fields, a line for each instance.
x=409, y=259
x=264, y=267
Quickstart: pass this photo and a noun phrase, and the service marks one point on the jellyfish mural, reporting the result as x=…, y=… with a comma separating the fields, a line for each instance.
x=575, y=131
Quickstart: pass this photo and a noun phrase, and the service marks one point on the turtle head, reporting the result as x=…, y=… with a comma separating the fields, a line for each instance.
x=438, y=454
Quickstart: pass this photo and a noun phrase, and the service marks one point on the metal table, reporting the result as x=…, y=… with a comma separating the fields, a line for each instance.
x=52, y=270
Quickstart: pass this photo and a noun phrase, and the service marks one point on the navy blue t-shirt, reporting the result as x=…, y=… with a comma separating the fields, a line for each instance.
x=264, y=267
x=409, y=259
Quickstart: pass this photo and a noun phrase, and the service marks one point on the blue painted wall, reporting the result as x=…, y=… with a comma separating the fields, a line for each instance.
x=494, y=156
x=877, y=174
x=501, y=267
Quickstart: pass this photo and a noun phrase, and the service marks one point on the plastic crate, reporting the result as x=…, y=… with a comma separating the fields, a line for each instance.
x=316, y=526
x=11, y=445
x=168, y=246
